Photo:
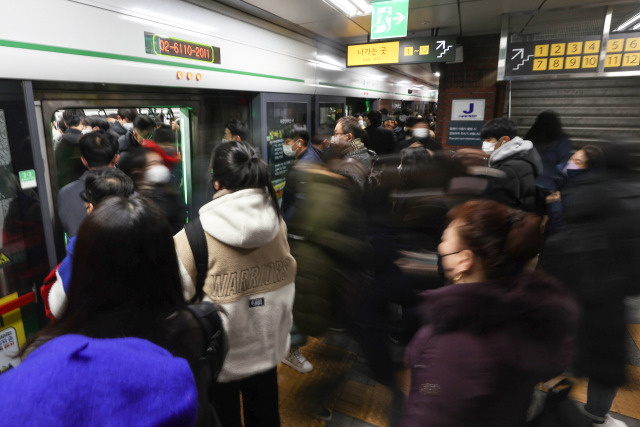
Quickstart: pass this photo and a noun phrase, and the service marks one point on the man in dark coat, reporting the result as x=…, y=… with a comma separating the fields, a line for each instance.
x=516, y=159
x=378, y=139
x=143, y=128
x=67, y=153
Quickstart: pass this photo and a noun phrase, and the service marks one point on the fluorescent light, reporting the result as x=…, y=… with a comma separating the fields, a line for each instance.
x=628, y=22
x=636, y=27
x=351, y=7
x=437, y=74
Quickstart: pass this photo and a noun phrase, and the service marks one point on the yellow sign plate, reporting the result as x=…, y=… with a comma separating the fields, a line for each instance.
x=373, y=54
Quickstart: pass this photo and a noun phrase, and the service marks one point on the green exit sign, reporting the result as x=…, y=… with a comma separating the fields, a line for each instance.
x=389, y=19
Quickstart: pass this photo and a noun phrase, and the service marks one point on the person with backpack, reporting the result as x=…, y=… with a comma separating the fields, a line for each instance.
x=125, y=290
x=249, y=275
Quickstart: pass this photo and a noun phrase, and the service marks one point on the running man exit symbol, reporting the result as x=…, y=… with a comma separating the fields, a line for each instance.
x=470, y=109
x=389, y=19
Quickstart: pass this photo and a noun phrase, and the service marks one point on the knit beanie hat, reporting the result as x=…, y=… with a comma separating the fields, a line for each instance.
x=74, y=380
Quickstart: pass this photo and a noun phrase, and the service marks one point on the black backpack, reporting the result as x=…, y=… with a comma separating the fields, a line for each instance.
x=206, y=313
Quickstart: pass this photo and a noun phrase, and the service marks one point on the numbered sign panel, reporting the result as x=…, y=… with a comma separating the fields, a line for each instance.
x=570, y=56
x=553, y=57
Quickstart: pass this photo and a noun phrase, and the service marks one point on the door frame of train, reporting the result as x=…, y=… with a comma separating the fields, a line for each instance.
x=47, y=103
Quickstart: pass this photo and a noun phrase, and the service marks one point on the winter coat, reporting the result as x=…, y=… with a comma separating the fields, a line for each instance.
x=321, y=239
x=380, y=140
x=520, y=164
x=127, y=141
x=553, y=156
x=485, y=346
x=581, y=256
x=67, y=156
x=250, y=278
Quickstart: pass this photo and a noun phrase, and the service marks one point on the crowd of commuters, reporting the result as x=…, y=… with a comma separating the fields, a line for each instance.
x=533, y=245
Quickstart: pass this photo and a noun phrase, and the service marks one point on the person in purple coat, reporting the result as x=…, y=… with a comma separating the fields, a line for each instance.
x=495, y=331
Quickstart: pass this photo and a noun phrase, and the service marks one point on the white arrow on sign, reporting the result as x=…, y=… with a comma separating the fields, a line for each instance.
x=441, y=44
x=520, y=52
x=399, y=18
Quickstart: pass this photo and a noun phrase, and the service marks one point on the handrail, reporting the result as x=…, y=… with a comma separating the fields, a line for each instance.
x=21, y=301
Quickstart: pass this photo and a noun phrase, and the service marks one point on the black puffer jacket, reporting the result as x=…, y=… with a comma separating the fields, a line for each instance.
x=520, y=165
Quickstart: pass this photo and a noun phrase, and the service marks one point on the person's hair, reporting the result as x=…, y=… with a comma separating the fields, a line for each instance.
x=72, y=117
x=62, y=126
x=97, y=121
x=133, y=163
x=303, y=135
x=412, y=121
x=143, y=123
x=105, y=182
x=164, y=134
x=594, y=155
x=128, y=113
x=350, y=125
x=375, y=117
x=384, y=112
x=320, y=137
x=112, y=116
x=414, y=163
x=546, y=130
x=125, y=278
x=237, y=166
x=98, y=148
x=502, y=238
x=497, y=128
x=237, y=128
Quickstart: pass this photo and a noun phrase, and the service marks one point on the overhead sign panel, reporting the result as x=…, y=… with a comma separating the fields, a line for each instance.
x=409, y=51
x=389, y=19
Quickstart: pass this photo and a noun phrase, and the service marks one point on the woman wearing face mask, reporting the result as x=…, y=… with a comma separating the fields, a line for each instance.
x=152, y=179
x=495, y=331
x=581, y=252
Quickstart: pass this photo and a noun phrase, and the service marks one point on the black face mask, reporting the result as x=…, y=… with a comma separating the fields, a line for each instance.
x=441, y=269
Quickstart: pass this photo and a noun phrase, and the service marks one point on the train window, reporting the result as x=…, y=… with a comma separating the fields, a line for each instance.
x=163, y=130
x=23, y=256
x=329, y=115
x=283, y=120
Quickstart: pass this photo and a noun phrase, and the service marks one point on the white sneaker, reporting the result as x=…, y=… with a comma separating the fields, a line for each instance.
x=609, y=421
x=297, y=361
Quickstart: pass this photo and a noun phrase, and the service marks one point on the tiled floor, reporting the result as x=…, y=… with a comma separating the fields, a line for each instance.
x=342, y=381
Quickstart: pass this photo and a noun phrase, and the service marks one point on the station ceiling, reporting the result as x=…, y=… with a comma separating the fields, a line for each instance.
x=317, y=18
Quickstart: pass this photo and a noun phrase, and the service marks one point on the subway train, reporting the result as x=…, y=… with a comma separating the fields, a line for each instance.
x=199, y=62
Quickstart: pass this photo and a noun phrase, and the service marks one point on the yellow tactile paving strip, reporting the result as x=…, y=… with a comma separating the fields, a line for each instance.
x=371, y=404
x=302, y=395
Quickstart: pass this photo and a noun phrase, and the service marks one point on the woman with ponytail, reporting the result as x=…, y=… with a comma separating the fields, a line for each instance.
x=494, y=331
x=250, y=278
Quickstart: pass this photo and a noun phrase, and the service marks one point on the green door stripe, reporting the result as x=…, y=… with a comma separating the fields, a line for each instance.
x=82, y=52
x=352, y=87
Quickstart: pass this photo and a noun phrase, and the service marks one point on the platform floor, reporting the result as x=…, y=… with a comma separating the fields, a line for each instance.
x=342, y=381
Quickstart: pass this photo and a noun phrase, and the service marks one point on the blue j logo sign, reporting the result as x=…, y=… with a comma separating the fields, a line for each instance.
x=470, y=109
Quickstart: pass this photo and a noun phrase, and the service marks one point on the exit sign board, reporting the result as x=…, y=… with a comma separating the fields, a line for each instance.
x=389, y=19
x=408, y=51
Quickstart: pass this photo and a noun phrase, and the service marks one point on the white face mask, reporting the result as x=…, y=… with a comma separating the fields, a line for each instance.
x=361, y=123
x=159, y=174
x=128, y=126
x=288, y=150
x=86, y=131
x=488, y=147
x=420, y=132
x=335, y=139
